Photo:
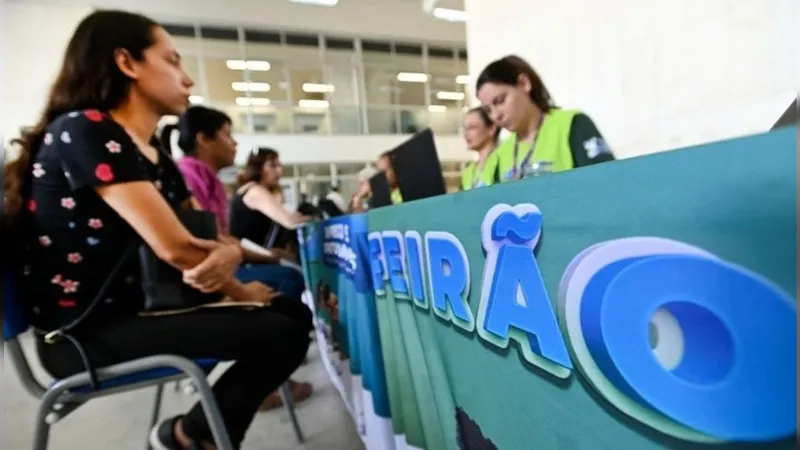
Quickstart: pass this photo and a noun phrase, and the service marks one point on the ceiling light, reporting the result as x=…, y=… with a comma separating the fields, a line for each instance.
x=238, y=64
x=450, y=15
x=252, y=101
x=316, y=2
x=313, y=104
x=317, y=88
x=437, y=108
x=462, y=79
x=444, y=95
x=243, y=86
x=412, y=77
x=196, y=99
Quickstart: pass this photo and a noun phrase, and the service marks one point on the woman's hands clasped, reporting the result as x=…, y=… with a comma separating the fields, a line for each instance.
x=218, y=269
x=255, y=292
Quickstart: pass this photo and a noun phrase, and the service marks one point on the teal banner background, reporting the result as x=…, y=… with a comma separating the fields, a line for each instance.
x=736, y=199
x=449, y=389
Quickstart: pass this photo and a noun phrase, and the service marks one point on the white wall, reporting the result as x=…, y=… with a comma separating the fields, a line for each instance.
x=655, y=74
x=34, y=39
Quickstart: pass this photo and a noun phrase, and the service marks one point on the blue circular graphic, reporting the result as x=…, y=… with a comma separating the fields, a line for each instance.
x=737, y=379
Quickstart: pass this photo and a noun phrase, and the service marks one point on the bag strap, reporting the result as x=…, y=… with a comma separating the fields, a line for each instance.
x=64, y=332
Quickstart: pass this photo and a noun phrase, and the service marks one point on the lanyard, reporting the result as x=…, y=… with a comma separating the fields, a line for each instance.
x=476, y=175
x=526, y=160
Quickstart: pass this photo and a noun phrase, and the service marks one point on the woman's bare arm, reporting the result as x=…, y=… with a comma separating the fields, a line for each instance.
x=261, y=200
x=141, y=205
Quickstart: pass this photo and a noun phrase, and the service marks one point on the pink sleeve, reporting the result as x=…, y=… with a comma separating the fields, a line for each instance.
x=198, y=188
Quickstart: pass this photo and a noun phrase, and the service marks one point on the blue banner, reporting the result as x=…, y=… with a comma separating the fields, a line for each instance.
x=345, y=253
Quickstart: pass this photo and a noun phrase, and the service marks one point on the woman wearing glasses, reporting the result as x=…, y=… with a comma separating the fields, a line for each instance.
x=481, y=135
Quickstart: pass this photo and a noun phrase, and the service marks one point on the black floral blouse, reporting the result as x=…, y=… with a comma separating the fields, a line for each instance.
x=73, y=238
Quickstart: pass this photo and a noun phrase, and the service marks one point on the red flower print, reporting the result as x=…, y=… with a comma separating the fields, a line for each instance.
x=70, y=287
x=31, y=205
x=48, y=139
x=38, y=172
x=74, y=258
x=113, y=146
x=94, y=115
x=67, y=303
x=104, y=173
x=45, y=241
x=68, y=202
x=95, y=223
x=56, y=279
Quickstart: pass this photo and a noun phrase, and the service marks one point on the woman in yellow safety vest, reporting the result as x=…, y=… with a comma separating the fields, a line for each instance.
x=481, y=135
x=384, y=164
x=543, y=136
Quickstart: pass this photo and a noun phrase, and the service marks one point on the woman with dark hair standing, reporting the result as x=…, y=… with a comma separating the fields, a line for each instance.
x=544, y=138
x=90, y=183
x=481, y=135
x=206, y=139
x=258, y=206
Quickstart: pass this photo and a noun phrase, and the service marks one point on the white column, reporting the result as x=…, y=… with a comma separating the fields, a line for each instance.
x=655, y=74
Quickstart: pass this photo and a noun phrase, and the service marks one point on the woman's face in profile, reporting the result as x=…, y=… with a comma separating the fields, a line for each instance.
x=506, y=104
x=272, y=171
x=223, y=146
x=476, y=132
x=160, y=77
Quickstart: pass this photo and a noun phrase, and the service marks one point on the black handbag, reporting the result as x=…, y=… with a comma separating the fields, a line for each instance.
x=163, y=284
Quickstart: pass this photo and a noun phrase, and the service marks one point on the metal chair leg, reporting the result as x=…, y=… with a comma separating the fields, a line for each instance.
x=155, y=414
x=211, y=409
x=41, y=431
x=288, y=401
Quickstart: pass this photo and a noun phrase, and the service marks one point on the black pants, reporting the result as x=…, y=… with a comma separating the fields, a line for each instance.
x=267, y=345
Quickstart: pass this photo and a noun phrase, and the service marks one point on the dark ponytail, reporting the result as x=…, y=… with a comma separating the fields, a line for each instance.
x=166, y=136
x=196, y=119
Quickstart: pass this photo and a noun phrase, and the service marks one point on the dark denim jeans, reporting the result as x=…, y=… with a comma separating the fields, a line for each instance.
x=284, y=279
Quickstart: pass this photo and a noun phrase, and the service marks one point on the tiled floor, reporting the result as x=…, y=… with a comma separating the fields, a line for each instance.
x=120, y=422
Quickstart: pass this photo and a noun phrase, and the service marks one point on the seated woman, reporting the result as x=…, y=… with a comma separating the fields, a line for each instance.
x=89, y=184
x=257, y=209
x=205, y=137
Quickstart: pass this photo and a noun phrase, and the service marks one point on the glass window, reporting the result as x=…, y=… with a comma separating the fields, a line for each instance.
x=445, y=71
x=380, y=76
x=342, y=69
x=224, y=83
x=314, y=170
x=308, y=88
x=265, y=65
x=411, y=74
